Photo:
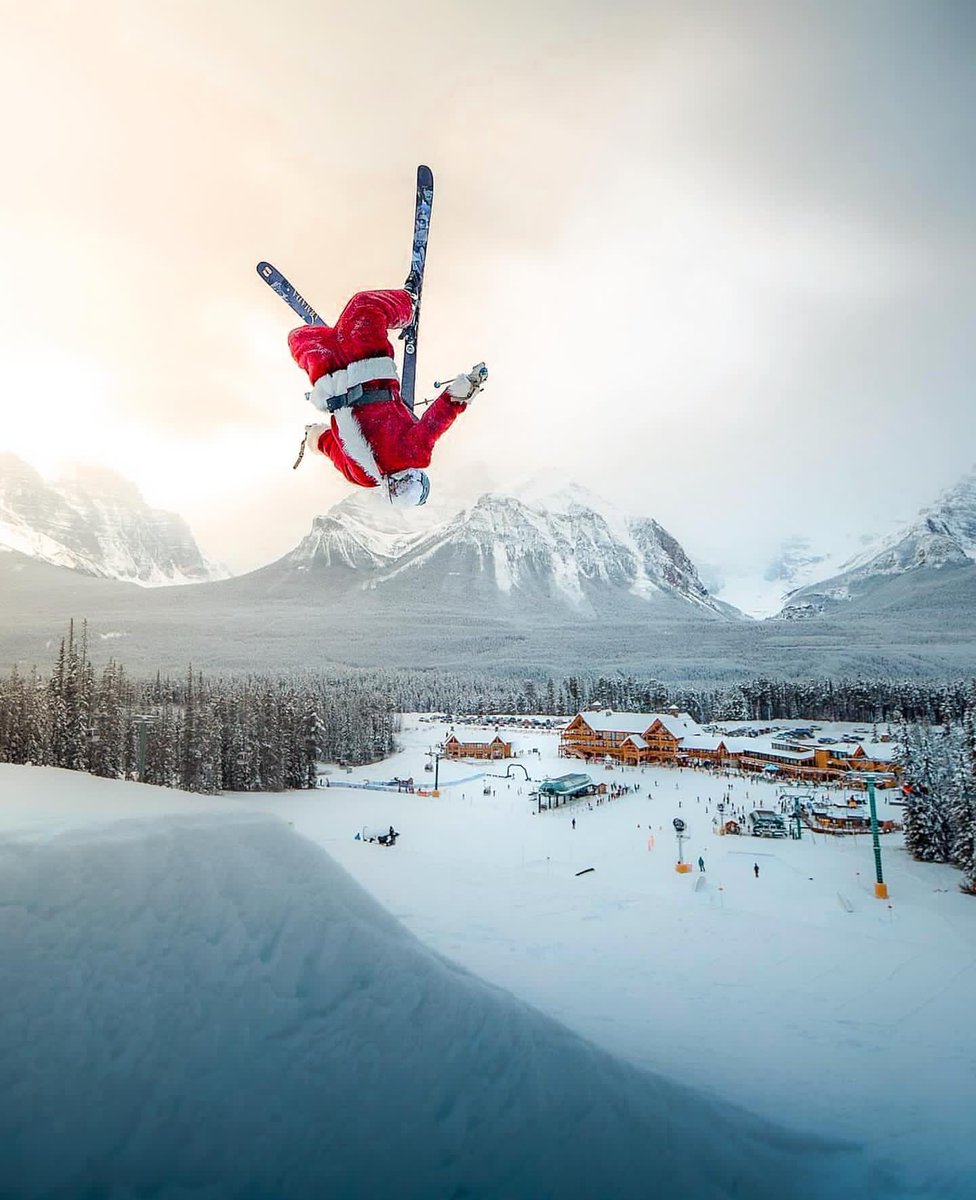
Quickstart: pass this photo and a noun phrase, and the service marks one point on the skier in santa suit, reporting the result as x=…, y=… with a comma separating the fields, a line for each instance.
x=373, y=438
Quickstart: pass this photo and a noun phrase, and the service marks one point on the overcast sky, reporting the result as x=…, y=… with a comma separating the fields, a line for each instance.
x=719, y=257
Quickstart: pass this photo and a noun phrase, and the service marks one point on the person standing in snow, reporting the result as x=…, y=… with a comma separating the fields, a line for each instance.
x=701, y=863
x=755, y=867
x=372, y=437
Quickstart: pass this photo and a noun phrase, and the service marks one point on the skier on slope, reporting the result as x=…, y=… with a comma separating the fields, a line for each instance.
x=373, y=438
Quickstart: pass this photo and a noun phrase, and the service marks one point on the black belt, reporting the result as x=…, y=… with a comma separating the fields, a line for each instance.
x=357, y=396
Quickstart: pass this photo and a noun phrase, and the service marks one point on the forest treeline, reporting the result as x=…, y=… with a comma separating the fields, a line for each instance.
x=200, y=733
x=762, y=699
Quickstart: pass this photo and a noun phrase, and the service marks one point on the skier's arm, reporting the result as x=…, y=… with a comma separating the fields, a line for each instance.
x=417, y=441
x=369, y=315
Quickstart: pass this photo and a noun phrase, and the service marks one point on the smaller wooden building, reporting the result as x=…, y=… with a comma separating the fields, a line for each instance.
x=496, y=748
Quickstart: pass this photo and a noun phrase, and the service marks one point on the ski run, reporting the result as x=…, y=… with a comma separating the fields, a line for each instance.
x=236, y=996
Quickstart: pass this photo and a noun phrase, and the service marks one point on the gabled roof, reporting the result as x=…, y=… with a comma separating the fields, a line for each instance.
x=606, y=721
x=681, y=726
x=602, y=721
x=881, y=751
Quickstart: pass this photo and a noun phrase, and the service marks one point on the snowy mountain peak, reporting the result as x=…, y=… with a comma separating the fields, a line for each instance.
x=96, y=522
x=362, y=532
x=570, y=548
x=942, y=535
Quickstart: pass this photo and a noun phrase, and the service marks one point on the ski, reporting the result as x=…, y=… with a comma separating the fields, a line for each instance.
x=415, y=280
x=414, y=285
x=291, y=296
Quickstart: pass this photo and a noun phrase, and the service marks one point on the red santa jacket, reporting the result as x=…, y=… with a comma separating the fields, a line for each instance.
x=368, y=441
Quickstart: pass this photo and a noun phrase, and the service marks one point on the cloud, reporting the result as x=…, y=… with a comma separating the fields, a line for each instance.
x=714, y=256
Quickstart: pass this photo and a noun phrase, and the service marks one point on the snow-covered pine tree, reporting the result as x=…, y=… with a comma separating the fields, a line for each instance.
x=963, y=807
x=313, y=735
x=928, y=758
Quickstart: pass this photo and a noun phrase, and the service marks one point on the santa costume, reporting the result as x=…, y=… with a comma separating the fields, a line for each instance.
x=373, y=438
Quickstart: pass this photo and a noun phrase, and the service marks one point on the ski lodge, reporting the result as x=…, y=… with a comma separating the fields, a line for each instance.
x=496, y=748
x=636, y=739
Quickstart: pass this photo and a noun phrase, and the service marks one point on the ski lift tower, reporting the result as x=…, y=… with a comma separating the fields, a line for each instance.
x=142, y=721
x=880, y=887
x=679, y=829
x=436, y=755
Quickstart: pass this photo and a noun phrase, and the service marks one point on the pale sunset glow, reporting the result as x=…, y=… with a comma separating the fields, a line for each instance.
x=652, y=220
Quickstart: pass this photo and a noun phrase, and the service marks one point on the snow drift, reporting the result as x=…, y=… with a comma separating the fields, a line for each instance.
x=207, y=1005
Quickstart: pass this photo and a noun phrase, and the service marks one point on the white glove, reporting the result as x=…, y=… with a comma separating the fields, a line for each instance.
x=309, y=442
x=312, y=435
x=464, y=388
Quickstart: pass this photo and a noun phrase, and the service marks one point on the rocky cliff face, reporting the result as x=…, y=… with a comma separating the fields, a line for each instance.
x=98, y=523
x=942, y=535
x=562, y=551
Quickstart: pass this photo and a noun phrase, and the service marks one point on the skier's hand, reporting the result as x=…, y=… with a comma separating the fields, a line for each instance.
x=464, y=388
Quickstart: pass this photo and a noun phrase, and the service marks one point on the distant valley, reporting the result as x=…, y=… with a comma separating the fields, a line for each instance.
x=552, y=585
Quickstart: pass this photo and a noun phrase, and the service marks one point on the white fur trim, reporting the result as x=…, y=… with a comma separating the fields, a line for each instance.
x=312, y=435
x=339, y=382
x=353, y=442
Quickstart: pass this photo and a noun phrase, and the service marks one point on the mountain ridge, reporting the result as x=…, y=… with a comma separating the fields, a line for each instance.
x=97, y=522
x=565, y=555
x=942, y=535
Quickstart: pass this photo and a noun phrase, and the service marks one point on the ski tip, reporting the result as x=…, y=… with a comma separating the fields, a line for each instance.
x=425, y=176
x=265, y=270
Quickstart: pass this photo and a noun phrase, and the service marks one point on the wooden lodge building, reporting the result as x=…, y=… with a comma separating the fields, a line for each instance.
x=496, y=748
x=636, y=739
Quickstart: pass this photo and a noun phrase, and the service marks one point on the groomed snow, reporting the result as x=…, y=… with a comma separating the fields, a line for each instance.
x=198, y=1001
x=766, y=992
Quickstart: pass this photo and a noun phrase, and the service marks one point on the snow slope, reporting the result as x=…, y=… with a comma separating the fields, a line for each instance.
x=941, y=537
x=797, y=994
x=200, y=1002
x=569, y=549
x=96, y=522
x=761, y=591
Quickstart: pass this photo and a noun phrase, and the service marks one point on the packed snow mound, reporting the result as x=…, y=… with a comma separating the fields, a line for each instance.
x=207, y=1005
